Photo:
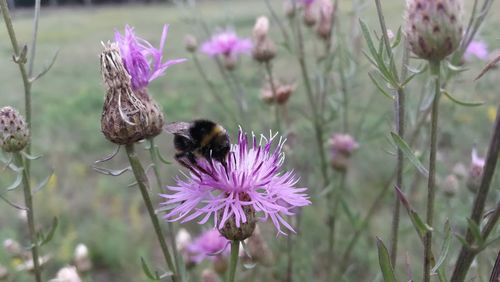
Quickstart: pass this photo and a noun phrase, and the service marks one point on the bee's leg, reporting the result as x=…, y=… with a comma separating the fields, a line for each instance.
x=181, y=159
x=192, y=159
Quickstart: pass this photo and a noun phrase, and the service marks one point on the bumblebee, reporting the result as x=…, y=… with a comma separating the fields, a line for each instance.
x=199, y=138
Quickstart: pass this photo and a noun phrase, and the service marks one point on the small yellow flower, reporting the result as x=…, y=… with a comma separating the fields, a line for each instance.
x=492, y=113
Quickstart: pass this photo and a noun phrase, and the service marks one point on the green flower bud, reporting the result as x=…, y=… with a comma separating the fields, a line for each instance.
x=433, y=27
x=245, y=230
x=14, y=132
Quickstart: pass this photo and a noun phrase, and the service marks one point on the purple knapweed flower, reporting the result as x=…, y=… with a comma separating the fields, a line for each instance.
x=251, y=181
x=208, y=245
x=142, y=61
x=478, y=49
x=341, y=148
x=228, y=44
x=307, y=2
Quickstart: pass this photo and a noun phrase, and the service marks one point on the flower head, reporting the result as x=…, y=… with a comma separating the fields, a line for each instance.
x=475, y=174
x=477, y=49
x=142, y=61
x=208, y=245
x=14, y=131
x=341, y=148
x=250, y=186
x=228, y=44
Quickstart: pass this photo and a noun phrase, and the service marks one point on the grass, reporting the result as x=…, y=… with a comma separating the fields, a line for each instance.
x=110, y=218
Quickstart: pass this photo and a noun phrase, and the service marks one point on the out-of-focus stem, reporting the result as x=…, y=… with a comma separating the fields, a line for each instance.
x=170, y=225
x=333, y=213
x=142, y=182
x=36, y=18
x=235, y=248
x=467, y=254
x=19, y=160
x=431, y=184
x=268, y=67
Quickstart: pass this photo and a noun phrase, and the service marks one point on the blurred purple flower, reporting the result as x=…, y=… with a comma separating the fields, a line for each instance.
x=252, y=173
x=208, y=245
x=226, y=43
x=477, y=162
x=344, y=143
x=142, y=61
x=307, y=2
x=478, y=49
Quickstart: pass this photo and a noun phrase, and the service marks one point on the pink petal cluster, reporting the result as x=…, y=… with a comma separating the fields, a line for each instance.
x=143, y=61
x=343, y=143
x=253, y=173
x=478, y=49
x=208, y=245
x=227, y=43
x=477, y=163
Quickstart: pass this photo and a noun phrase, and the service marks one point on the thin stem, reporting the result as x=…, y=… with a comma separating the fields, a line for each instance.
x=268, y=67
x=431, y=184
x=33, y=40
x=170, y=225
x=142, y=182
x=332, y=220
x=28, y=201
x=235, y=249
x=467, y=254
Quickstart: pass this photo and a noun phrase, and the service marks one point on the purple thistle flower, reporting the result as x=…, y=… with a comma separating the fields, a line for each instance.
x=143, y=61
x=307, y=2
x=252, y=180
x=227, y=43
x=478, y=49
x=209, y=244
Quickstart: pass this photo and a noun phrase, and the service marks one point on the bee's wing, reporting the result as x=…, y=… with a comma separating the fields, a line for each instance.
x=178, y=128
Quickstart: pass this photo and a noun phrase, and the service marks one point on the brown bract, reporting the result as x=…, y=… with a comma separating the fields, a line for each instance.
x=127, y=116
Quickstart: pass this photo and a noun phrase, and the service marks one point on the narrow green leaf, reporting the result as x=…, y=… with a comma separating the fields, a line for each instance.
x=368, y=38
x=379, y=87
x=160, y=156
x=462, y=240
x=111, y=172
x=454, y=68
x=397, y=40
x=445, y=248
x=385, y=262
x=488, y=243
x=475, y=230
x=16, y=182
x=47, y=238
x=43, y=183
x=403, y=146
x=31, y=157
x=420, y=226
x=147, y=271
x=462, y=103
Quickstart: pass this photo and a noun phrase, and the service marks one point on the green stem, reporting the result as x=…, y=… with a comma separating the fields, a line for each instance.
x=28, y=201
x=142, y=182
x=170, y=225
x=333, y=213
x=431, y=184
x=235, y=249
x=269, y=71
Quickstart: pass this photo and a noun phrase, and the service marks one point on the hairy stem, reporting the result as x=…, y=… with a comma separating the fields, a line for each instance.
x=269, y=71
x=28, y=201
x=235, y=248
x=170, y=225
x=142, y=182
x=431, y=184
x=467, y=254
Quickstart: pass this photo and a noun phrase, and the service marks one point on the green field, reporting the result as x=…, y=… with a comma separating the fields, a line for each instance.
x=109, y=217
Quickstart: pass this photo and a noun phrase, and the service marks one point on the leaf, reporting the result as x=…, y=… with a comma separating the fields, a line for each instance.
x=403, y=146
x=445, y=248
x=489, y=66
x=385, y=262
x=111, y=172
x=46, y=68
x=16, y=182
x=379, y=87
x=161, y=158
x=454, y=68
x=16, y=206
x=488, y=243
x=397, y=40
x=43, y=183
x=462, y=103
x=420, y=226
x=31, y=157
x=109, y=157
x=475, y=230
x=147, y=271
x=44, y=239
x=461, y=239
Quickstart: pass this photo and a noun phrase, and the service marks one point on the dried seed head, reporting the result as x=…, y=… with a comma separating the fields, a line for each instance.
x=127, y=116
x=231, y=231
x=283, y=93
x=263, y=48
x=450, y=185
x=433, y=28
x=341, y=148
x=475, y=174
x=191, y=43
x=289, y=8
x=209, y=275
x=326, y=17
x=261, y=28
x=310, y=16
x=258, y=249
x=14, y=133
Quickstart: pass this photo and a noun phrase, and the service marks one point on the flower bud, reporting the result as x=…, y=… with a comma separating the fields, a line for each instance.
x=229, y=62
x=82, y=259
x=289, y=8
x=475, y=172
x=13, y=248
x=127, y=116
x=283, y=93
x=191, y=43
x=341, y=148
x=258, y=249
x=67, y=274
x=326, y=14
x=14, y=133
x=209, y=275
x=261, y=28
x=263, y=48
x=239, y=233
x=182, y=239
x=220, y=264
x=450, y=185
x=310, y=15
x=433, y=28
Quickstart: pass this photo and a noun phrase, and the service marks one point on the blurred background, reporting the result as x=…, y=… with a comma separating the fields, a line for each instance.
x=109, y=217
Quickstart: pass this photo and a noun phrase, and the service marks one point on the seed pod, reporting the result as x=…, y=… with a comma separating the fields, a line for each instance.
x=245, y=230
x=341, y=148
x=14, y=133
x=127, y=116
x=191, y=43
x=433, y=28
